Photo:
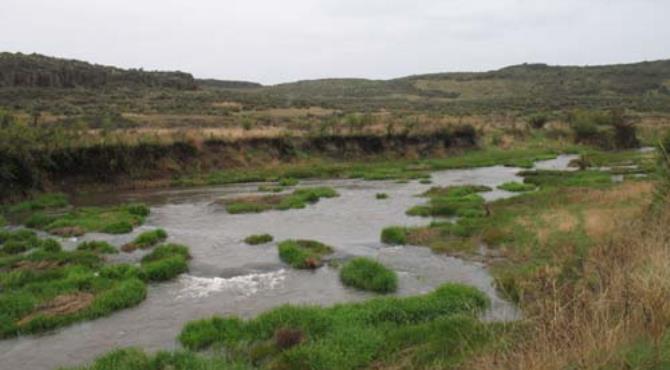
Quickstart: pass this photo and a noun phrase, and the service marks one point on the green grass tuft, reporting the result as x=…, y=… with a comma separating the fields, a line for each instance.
x=517, y=187
x=258, y=239
x=95, y=246
x=367, y=274
x=394, y=235
x=303, y=254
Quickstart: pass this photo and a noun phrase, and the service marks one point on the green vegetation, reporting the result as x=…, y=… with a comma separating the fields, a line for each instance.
x=367, y=274
x=146, y=240
x=165, y=262
x=303, y=254
x=270, y=189
x=41, y=202
x=258, y=239
x=381, y=196
x=300, y=198
x=461, y=201
x=97, y=247
x=394, y=235
x=516, y=187
x=353, y=335
x=49, y=288
x=135, y=359
x=77, y=221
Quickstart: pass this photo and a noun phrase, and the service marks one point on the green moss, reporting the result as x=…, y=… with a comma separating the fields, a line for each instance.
x=394, y=235
x=367, y=274
x=258, y=239
x=516, y=187
x=303, y=254
x=96, y=246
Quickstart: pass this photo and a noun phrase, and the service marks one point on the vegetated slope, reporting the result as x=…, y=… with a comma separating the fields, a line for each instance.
x=34, y=70
x=49, y=83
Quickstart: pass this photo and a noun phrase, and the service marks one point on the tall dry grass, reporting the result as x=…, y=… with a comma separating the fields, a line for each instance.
x=621, y=296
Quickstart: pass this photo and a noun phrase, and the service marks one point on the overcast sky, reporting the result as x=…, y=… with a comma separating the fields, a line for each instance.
x=274, y=41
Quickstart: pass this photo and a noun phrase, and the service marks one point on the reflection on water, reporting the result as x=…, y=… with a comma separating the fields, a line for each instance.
x=229, y=277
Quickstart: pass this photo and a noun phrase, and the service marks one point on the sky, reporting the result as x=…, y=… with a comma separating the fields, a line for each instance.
x=274, y=41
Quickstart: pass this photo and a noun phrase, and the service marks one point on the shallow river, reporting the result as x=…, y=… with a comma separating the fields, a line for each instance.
x=228, y=277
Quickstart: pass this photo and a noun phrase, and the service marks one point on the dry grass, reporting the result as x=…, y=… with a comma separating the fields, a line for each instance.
x=620, y=297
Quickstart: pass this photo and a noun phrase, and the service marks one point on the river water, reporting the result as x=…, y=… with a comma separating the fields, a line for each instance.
x=228, y=277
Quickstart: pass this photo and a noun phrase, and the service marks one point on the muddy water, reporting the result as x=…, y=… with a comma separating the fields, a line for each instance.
x=229, y=277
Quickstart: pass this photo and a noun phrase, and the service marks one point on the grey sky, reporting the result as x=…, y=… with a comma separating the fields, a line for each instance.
x=273, y=41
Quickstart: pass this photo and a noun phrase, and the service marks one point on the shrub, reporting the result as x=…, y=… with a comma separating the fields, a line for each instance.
x=538, y=120
x=258, y=239
x=367, y=274
x=516, y=187
x=394, y=235
x=303, y=254
x=97, y=247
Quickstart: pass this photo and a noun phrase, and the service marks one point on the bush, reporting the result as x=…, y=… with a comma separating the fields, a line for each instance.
x=538, y=120
x=97, y=247
x=394, y=235
x=258, y=239
x=367, y=274
x=303, y=254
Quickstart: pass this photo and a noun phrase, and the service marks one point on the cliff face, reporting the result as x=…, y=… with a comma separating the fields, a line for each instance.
x=22, y=70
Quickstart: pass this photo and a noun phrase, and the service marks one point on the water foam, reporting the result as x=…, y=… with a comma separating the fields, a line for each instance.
x=245, y=285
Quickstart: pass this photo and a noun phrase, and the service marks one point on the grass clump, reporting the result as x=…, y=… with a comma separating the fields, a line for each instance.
x=381, y=196
x=517, y=187
x=370, y=275
x=461, y=201
x=394, y=235
x=113, y=220
x=101, y=247
x=41, y=202
x=347, y=336
x=300, y=198
x=258, y=239
x=146, y=240
x=303, y=254
x=136, y=359
x=165, y=262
